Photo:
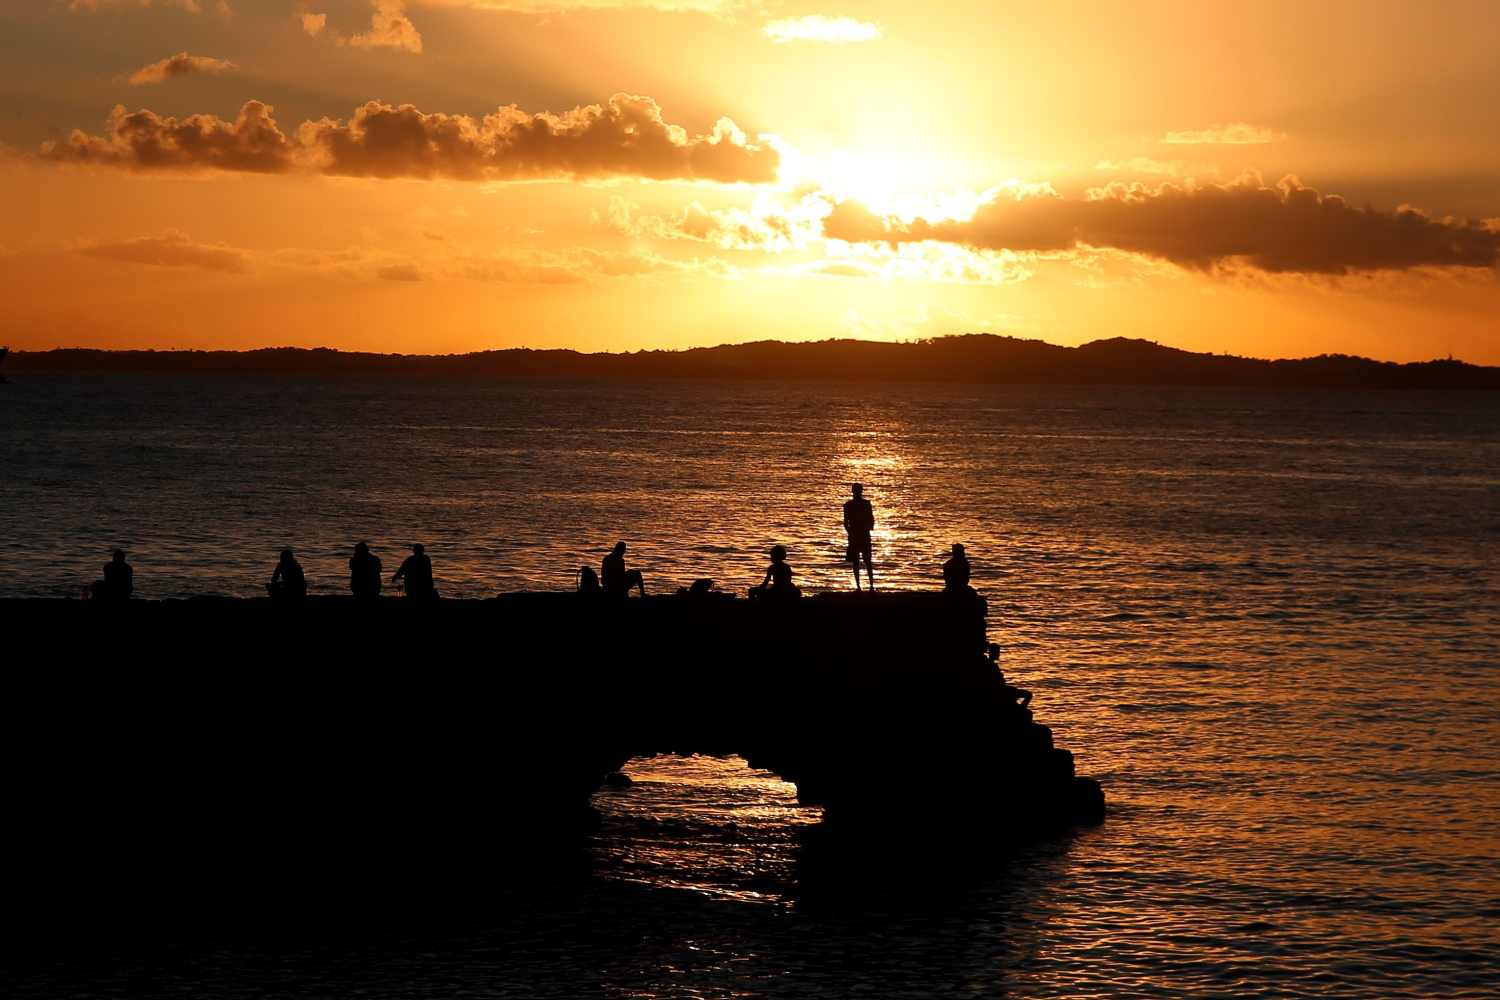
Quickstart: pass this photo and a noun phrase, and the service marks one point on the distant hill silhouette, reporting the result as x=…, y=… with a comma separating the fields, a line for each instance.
x=975, y=358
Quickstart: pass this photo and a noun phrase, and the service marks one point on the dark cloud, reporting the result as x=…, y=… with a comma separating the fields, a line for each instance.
x=171, y=249
x=181, y=64
x=144, y=140
x=1286, y=228
x=625, y=137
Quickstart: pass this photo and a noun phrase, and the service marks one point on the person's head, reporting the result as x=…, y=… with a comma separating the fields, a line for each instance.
x=118, y=555
x=286, y=555
x=418, y=548
x=858, y=489
x=361, y=549
x=619, y=549
x=778, y=553
x=958, y=549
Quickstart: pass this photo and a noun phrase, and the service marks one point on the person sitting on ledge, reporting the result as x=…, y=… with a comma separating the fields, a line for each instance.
x=119, y=580
x=615, y=578
x=956, y=572
x=364, y=572
x=1013, y=695
x=417, y=572
x=287, y=581
x=777, y=586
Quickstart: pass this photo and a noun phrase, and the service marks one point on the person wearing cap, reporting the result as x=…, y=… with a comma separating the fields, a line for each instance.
x=417, y=572
x=859, y=521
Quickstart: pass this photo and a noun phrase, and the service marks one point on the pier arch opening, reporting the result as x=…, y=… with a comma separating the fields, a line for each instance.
x=709, y=824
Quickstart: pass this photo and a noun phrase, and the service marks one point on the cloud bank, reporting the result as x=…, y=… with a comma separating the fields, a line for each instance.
x=624, y=137
x=181, y=64
x=1288, y=228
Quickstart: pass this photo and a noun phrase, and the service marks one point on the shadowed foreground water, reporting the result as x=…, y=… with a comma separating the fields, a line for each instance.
x=1267, y=622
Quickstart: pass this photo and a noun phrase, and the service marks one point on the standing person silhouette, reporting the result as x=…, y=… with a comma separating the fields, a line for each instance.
x=287, y=581
x=364, y=572
x=859, y=521
x=417, y=572
x=616, y=579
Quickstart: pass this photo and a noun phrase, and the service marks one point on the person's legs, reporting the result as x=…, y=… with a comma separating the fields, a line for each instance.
x=869, y=555
x=633, y=578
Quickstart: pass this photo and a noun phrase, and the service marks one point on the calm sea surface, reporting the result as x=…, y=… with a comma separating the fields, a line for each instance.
x=1267, y=622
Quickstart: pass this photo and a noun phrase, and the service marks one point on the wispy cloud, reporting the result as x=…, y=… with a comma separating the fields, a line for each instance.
x=181, y=64
x=1231, y=134
x=390, y=28
x=312, y=23
x=818, y=28
x=171, y=249
x=191, y=6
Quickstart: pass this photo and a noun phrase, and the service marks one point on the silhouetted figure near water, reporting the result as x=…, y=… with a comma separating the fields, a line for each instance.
x=859, y=521
x=364, y=572
x=287, y=582
x=956, y=572
x=119, y=580
x=616, y=579
x=417, y=572
x=777, y=586
x=1013, y=695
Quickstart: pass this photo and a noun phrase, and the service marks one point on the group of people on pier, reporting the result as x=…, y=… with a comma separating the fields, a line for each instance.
x=288, y=582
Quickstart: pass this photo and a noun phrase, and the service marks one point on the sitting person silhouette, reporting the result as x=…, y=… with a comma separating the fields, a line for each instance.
x=1013, y=695
x=777, y=586
x=287, y=581
x=615, y=578
x=417, y=572
x=364, y=572
x=119, y=580
x=956, y=572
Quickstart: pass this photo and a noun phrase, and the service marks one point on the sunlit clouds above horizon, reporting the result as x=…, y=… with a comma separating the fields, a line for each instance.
x=429, y=175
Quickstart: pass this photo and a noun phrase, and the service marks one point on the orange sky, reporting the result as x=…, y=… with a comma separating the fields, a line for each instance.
x=1269, y=179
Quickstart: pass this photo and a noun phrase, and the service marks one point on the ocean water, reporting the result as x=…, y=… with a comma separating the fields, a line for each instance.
x=1269, y=623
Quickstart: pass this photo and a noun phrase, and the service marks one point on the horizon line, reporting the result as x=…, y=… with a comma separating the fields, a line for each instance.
x=911, y=342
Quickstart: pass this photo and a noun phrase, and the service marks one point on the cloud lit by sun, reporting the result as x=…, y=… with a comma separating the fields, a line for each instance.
x=622, y=174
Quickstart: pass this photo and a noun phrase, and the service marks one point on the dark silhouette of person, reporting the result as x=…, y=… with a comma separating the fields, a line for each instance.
x=859, y=521
x=1013, y=695
x=777, y=586
x=287, y=581
x=119, y=580
x=956, y=572
x=364, y=572
x=615, y=578
x=417, y=572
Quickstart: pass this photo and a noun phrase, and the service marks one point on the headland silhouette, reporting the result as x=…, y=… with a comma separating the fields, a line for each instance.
x=967, y=358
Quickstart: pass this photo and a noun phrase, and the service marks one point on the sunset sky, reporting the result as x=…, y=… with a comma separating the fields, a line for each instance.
x=1273, y=179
